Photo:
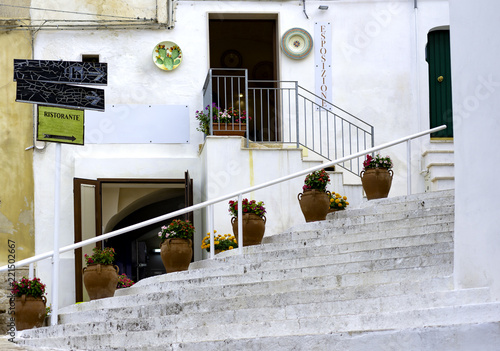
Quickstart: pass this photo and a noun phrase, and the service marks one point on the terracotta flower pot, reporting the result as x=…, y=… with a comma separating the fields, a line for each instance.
x=100, y=280
x=376, y=182
x=236, y=129
x=314, y=204
x=176, y=254
x=254, y=227
x=30, y=312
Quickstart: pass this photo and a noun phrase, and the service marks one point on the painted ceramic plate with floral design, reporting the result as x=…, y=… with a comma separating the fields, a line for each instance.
x=296, y=43
x=167, y=55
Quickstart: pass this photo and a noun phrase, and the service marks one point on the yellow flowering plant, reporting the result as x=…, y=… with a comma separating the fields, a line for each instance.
x=222, y=242
x=337, y=201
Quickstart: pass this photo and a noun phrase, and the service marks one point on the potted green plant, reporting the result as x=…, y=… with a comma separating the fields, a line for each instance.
x=254, y=220
x=124, y=282
x=222, y=242
x=315, y=199
x=337, y=202
x=176, y=245
x=230, y=121
x=376, y=176
x=100, y=276
x=30, y=303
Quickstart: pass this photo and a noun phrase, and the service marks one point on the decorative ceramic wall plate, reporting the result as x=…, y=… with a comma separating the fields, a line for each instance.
x=167, y=55
x=296, y=43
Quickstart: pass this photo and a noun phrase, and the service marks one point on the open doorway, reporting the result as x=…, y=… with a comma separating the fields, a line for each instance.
x=247, y=41
x=105, y=205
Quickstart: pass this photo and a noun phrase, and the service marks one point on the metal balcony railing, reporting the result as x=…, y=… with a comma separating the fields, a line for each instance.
x=284, y=112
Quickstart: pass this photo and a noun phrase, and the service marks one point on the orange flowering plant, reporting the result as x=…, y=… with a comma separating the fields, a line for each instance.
x=337, y=201
x=222, y=242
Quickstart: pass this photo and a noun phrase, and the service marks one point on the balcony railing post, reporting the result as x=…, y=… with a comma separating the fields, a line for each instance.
x=247, y=109
x=297, y=113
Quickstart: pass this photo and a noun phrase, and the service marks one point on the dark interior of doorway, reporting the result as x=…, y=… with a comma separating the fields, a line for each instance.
x=136, y=254
x=247, y=42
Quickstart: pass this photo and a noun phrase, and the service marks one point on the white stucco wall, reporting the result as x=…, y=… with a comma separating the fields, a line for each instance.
x=379, y=74
x=475, y=48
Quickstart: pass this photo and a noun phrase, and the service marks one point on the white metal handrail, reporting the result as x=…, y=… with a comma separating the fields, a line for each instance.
x=210, y=204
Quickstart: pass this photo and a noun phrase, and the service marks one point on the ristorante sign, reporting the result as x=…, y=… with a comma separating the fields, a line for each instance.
x=60, y=125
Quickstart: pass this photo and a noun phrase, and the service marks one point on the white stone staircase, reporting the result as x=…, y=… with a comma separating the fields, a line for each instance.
x=438, y=163
x=378, y=277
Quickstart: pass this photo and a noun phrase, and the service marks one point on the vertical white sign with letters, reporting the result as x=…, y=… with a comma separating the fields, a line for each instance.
x=323, y=63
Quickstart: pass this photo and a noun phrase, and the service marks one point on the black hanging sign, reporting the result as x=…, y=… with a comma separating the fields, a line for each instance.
x=72, y=72
x=62, y=95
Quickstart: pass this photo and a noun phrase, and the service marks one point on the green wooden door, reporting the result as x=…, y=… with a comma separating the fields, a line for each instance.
x=440, y=103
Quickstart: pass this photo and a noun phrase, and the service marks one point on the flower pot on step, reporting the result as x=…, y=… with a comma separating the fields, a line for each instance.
x=376, y=182
x=176, y=254
x=314, y=204
x=30, y=312
x=254, y=227
x=100, y=280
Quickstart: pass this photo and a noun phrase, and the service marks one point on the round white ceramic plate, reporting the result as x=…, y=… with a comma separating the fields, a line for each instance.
x=167, y=55
x=296, y=43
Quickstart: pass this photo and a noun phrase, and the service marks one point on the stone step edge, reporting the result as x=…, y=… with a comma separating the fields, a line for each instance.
x=319, y=239
x=448, y=193
x=434, y=300
x=425, y=274
x=386, y=289
x=235, y=271
x=332, y=224
x=344, y=248
x=287, y=325
x=285, y=343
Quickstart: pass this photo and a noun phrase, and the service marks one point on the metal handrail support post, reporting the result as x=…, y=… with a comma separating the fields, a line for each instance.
x=408, y=167
x=240, y=223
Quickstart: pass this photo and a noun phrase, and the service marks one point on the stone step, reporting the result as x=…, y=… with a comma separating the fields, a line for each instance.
x=465, y=337
x=432, y=276
x=341, y=259
x=259, y=309
x=243, y=326
x=329, y=250
x=312, y=230
x=289, y=292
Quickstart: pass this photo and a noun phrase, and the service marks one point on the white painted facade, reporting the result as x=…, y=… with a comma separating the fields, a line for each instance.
x=474, y=49
x=379, y=74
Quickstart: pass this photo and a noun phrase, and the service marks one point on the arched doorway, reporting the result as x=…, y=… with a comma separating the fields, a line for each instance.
x=104, y=205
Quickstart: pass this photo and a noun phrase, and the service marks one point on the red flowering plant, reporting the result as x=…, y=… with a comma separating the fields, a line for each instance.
x=248, y=207
x=316, y=180
x=124, y=282
x=377, y=162
x=233, y=115
x=104, y=256
x=177, y=229
x=25, y=286
x=229, y=115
